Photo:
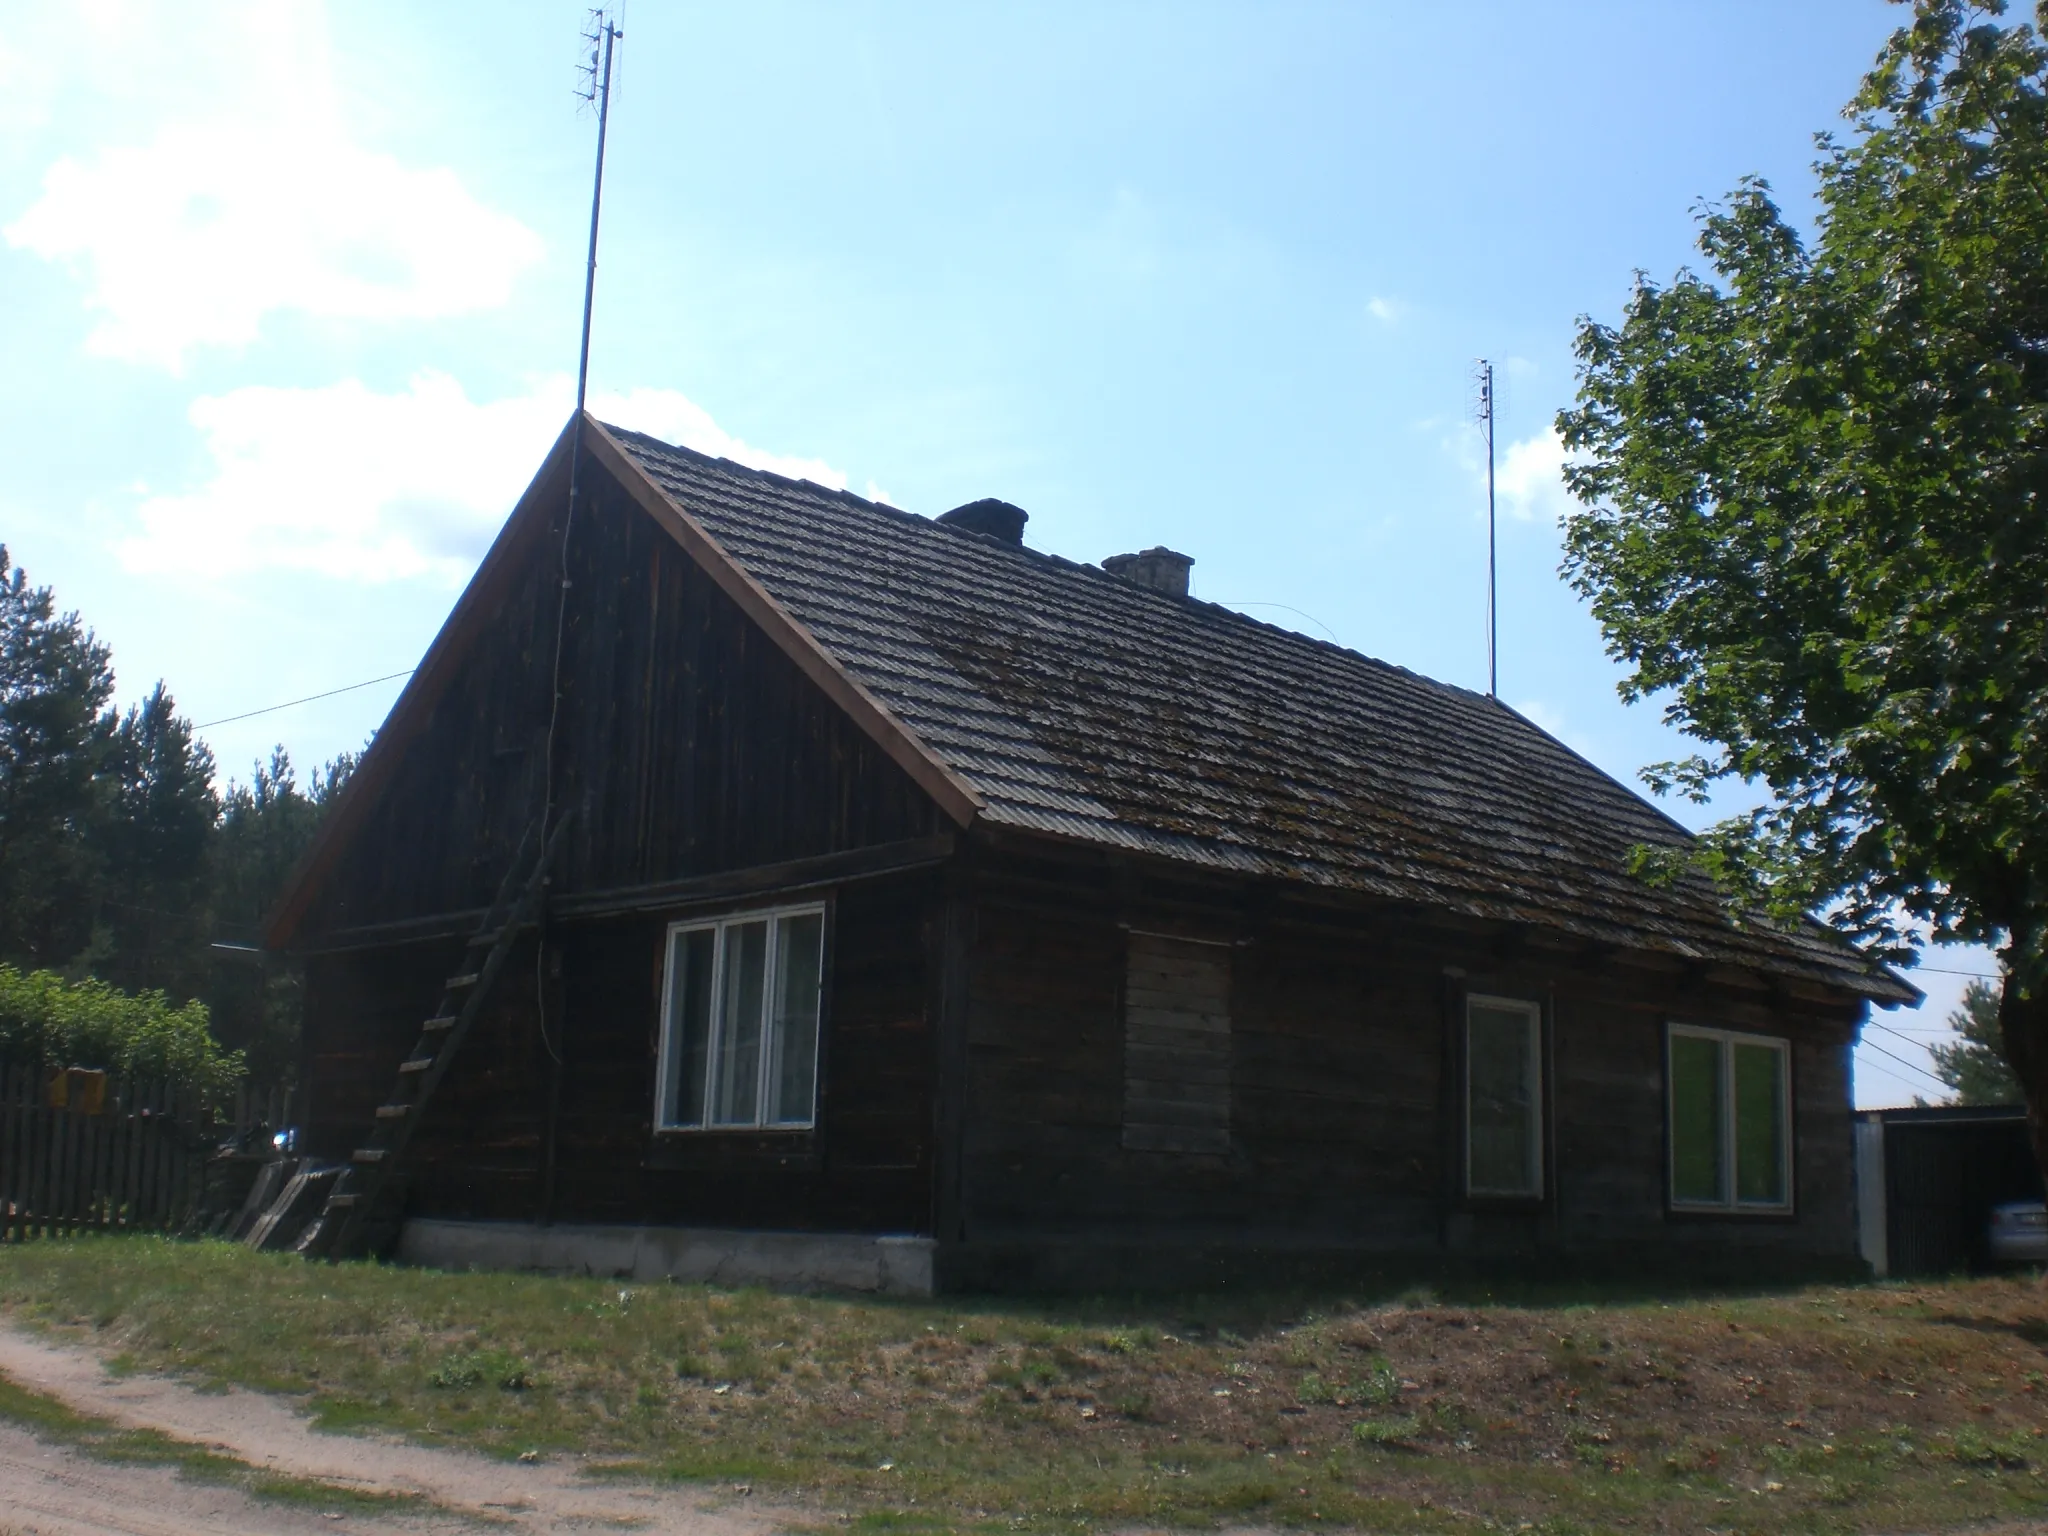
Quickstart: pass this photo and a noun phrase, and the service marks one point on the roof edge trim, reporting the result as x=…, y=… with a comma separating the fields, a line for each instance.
x=881, y=724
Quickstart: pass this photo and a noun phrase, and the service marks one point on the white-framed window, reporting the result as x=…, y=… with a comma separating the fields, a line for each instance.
x=1729, y=1108
x=1503, y=1098
x=739, y=1021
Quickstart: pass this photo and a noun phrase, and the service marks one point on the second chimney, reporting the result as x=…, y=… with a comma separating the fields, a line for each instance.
x=1161, y=569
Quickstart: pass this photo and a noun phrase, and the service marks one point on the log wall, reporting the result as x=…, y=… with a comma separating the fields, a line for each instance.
x=1345, y=1112
x=690, y=748
x=481, y=1150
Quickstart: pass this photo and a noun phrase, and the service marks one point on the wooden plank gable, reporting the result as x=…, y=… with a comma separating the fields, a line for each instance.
x=689, y=740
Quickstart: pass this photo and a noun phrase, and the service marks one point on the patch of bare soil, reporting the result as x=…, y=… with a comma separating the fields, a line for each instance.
x=1628, y=1387
x=51, y=1490
x=48, y=1490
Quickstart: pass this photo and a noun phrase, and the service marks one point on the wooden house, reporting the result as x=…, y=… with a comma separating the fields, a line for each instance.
x=933, y=912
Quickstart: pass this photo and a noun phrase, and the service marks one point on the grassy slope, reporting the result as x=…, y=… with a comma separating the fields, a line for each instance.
x=1837, y=1409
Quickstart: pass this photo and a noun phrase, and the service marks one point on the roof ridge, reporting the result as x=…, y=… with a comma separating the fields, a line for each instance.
x=1204, y=607
x=719, y=461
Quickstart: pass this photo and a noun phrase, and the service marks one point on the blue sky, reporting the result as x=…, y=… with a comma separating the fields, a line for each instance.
x=289, y=293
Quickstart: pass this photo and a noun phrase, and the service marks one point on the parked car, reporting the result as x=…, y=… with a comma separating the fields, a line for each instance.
x=2018, y=1233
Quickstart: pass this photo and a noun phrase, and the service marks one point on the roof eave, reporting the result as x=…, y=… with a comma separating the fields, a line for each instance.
x=1877, y=984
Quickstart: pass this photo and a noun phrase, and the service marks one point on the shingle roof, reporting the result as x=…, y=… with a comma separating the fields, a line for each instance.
x=1079, y=704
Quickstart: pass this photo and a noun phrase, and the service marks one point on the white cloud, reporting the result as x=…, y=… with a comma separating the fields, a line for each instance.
x=1386, y=311
x=1530, y=479
x=371, y=487
x=256, y=199
x=674, y=418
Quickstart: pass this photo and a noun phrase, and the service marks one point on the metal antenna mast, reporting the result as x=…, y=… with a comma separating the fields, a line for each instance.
x=601, y=37
x=1486, y=414
x=603, y=34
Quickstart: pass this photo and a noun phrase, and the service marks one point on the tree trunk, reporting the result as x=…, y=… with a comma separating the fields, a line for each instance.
x=2023, y=1024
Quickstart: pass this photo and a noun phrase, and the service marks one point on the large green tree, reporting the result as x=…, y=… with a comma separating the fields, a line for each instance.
x=1814, y=515
x=153, y=917
x=119, y=860
x=58, y=742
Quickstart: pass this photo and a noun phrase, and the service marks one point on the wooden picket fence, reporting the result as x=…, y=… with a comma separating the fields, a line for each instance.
x=85, y=1151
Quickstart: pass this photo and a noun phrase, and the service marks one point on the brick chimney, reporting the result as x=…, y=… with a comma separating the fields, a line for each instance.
x=1161, y=569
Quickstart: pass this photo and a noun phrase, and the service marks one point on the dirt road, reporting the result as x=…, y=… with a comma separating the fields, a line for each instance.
x=56, y=1491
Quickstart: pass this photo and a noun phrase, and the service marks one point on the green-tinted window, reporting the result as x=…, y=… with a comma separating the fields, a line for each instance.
x=1696, y=1120
x=1504, y=1147
x=1759, y=1124
x=1730, y=1109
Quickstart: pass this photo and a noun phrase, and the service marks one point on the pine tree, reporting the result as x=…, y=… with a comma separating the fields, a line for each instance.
x=153, y=908
x=1975, y=1065
x=265, y=826
x=57, y=740
x=119, y=861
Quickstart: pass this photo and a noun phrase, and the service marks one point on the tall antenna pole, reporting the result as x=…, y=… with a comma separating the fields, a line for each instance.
x=600, y=90
x=602, y=37
x=603, y=34
x=1486, y=414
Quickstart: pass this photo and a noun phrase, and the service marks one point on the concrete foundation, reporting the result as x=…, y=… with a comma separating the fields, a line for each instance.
x=826, y=1261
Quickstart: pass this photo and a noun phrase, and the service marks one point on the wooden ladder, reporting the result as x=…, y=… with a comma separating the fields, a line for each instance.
x=344, y=1227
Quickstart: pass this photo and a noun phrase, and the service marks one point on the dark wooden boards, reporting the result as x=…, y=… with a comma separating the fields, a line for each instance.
x=477, y=1154
x=689, y=742
x=127, y=1155
x=1177, y=1046
x=1342, y=1126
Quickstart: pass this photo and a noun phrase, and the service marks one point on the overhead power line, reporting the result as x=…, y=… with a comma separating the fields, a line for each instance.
x=1892, y=1056
x=1889, y=1056
x=271, y=709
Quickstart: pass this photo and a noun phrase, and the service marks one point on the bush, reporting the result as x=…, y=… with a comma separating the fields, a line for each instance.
x=59, y=1023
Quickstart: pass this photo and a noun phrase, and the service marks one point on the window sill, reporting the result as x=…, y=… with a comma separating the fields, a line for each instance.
x=795, y=1149
x=1731, y=1213
x=1518, y=1204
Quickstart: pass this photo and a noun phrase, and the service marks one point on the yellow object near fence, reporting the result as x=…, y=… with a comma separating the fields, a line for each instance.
x=82, y=1090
